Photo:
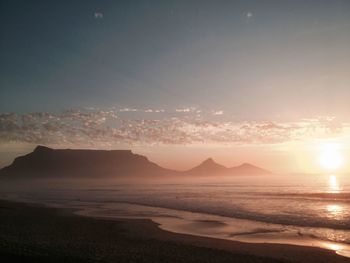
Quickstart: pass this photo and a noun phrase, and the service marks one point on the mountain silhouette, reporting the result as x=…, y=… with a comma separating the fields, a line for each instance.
x=52, y=163
x=44, y=161
x=248, y=168
x=209, y=166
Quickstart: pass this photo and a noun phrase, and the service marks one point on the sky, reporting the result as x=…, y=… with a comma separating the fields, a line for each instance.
x=258, y=81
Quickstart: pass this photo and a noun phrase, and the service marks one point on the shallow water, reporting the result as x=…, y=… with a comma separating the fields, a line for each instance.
x=311, y=210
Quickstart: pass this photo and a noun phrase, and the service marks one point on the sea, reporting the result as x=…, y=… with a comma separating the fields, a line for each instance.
x=297, y=209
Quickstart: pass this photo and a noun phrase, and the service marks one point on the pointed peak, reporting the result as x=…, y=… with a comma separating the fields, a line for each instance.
x=209, y=160
x=207, y=167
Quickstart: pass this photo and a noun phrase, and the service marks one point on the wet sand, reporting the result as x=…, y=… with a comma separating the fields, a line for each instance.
x=214, y=226
x=33, y=233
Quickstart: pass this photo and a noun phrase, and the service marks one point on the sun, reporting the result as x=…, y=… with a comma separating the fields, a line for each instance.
x=331, y=158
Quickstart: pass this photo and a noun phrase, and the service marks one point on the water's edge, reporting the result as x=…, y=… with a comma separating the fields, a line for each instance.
x=218, y=227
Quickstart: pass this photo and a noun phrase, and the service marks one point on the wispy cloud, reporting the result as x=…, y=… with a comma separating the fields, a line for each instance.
x=154, y=110
x=128, y=109
x=100, y=128
x=219, y=112
x=188, y=109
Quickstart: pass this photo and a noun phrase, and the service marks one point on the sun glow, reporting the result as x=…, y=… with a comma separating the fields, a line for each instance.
x=331, y=159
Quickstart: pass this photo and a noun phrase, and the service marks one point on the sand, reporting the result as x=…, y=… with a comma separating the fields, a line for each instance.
x=33, y=233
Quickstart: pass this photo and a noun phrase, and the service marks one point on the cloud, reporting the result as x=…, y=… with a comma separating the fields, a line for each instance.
x=128, y=109
x=219, y=112
x=105, y=128
x=154, y=110
x=188, y=109
x=183, y=110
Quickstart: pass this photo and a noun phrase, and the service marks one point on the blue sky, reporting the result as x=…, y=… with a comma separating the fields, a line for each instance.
x=210, y=54
x=219, y=62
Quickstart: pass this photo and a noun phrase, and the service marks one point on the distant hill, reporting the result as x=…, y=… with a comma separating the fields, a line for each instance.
x=248, y=168
x=52, y=163
x=210, y=167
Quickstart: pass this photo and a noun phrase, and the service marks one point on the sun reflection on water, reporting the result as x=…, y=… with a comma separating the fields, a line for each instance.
x=333, y=184
x=340, y=249
x=334, y=246
x=335, y=211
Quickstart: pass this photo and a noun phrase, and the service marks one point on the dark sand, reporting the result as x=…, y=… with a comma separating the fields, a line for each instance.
x=32, y=233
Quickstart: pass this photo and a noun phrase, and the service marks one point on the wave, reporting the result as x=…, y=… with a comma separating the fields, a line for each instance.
x=240, y=213
x=323, y=196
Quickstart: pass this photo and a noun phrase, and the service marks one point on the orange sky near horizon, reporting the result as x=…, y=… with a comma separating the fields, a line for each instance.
x=294, y=157
x=289, y=157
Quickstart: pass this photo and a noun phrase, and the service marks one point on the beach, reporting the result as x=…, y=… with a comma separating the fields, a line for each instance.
x=35, y=233
x=175, y=131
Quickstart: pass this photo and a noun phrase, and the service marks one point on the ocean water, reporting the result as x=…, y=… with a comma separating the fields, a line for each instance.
x=312, y=210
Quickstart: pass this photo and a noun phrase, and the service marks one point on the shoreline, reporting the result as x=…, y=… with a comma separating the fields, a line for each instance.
x=214, y=226
x=17, y=218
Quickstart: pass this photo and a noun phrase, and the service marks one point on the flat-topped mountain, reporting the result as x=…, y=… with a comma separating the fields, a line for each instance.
x=44, y=161
x=53, y=163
